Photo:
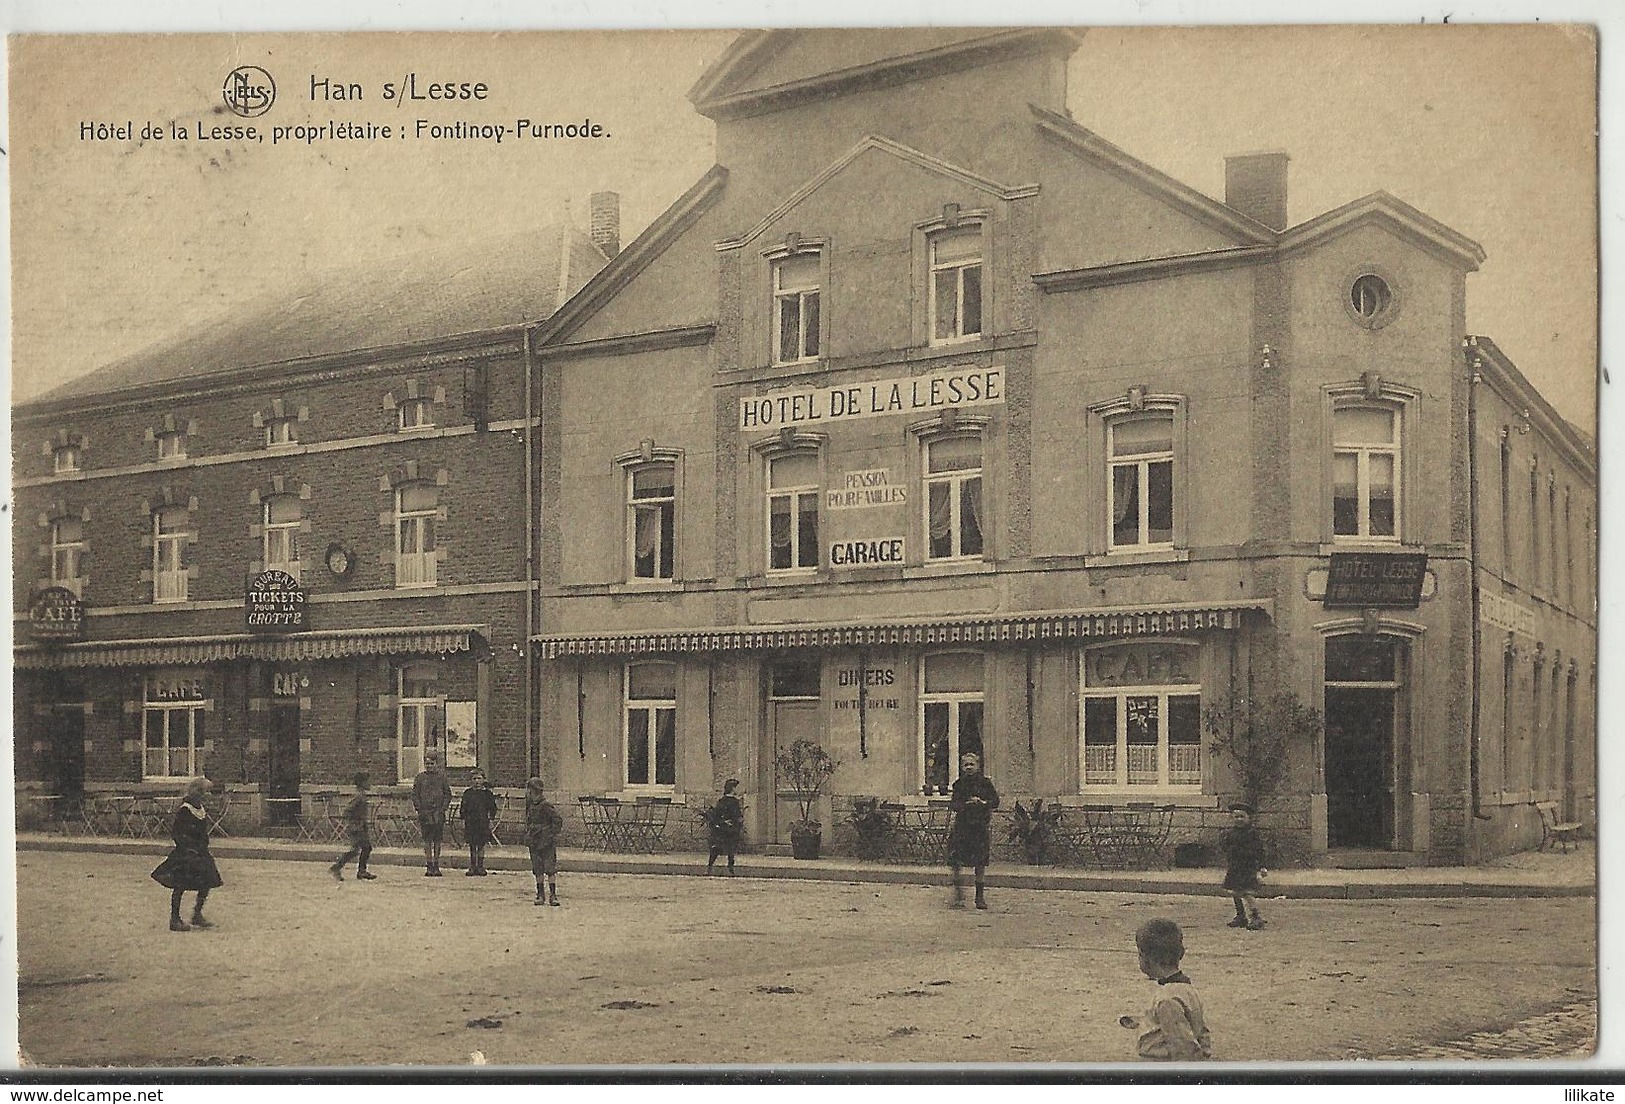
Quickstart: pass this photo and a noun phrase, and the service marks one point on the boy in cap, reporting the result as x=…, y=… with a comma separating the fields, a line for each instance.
x=1244, y=865
x=1174, y=1030
x=542, y=826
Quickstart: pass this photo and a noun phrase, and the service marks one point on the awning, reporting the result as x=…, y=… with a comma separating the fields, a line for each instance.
x=291, y=647
x=1014, y=628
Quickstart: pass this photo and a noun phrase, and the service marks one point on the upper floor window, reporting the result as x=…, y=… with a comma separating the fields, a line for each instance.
x=650, y=724
x=65, y=458
x=795, y=307
x=171, y=445
x=956, y=284
x=281, y=431
x=792, y=511
x=414, y=414
x=281, y=534
x=1534, y=528
x=1365, y=472
x=953, y=498
x=67, y=550
x=417, y=506
x=951, y=713
x=652, y=520
x=1140, y=484
x=171, y=536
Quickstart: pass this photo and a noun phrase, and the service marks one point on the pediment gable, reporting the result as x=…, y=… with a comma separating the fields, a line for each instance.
x=876, y=146
x=1394, y=215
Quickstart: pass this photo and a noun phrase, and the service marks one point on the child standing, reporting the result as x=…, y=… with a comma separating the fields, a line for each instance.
x=479, y=812
x=357, y=819
x=542, y=826
x=727, y=824
x=972, y=803
x=1174, y=1030
x=1244, y=865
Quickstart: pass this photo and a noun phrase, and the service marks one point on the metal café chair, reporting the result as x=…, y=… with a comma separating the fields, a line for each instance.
x=594, y=823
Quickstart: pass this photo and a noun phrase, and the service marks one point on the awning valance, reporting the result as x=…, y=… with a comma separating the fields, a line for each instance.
x=291, y=647
x=1012, y=628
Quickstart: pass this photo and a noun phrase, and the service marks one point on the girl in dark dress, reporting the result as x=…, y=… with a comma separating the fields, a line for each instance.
x=479, y=812
x=727, y=825
x=972, y=803
x=189, y=865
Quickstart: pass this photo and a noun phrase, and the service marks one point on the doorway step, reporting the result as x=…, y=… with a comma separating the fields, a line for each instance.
x=1358, y=859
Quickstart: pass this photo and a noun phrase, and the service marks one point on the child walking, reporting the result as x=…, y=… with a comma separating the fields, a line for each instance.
x=542, y=826
x=1174, y=1030
x=189, y=865
x=1244, y=866
x=357, y=818
x=727, y=824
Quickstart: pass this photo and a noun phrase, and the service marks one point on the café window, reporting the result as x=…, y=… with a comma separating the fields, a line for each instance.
x=1142, y=718
x=281, y=534
x=420, y=717
x=651, y=507
x=1365, y=473
x=67, y=550
x=951, y=715
x=1140, y=484
x=171, y=536
x=650, y=725
x=417, y=508
x=65, y=458
x=956, y=284
x=953, y=498
x=796, y=307
x=792, y=512
x=173, y=719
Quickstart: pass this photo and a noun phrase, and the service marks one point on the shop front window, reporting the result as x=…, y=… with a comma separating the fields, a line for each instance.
x=420, y=718
x=650, y=727
x=951, y=716
x=173, y=725
x=1141, y=718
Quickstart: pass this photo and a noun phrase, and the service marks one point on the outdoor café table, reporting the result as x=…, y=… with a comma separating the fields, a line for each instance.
x=1129, y=835
x=284, y=812
x=922, y=832
x=644, y=823
x=103, y=814
x=596, y=822
x=44, y=811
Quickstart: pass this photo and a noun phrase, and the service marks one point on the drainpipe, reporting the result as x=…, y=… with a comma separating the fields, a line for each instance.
x=533, y=754
x=1474, y=378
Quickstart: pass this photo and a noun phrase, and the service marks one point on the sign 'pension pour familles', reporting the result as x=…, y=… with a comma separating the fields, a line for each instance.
x=803, y=406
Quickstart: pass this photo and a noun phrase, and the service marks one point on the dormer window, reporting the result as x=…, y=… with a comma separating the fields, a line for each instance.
x=956, y=284
x=171, y=445
x=65, y=458
x=796, y=307
x=281, y=432
x=414, y=414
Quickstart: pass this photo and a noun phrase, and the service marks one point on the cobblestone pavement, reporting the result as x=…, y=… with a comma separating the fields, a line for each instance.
x=1566, y=1034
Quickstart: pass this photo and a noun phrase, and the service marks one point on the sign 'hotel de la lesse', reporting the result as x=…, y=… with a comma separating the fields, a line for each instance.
x=927, y=421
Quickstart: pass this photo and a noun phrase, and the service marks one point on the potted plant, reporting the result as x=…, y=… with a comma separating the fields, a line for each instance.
x=1258, y=738
x=803, y=768
x=873, y=827
x=1034, y=829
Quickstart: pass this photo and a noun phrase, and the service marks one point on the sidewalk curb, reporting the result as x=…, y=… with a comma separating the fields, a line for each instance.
x=1317, y=885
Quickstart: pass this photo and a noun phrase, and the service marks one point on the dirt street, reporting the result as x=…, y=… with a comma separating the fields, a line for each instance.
x=646, y=969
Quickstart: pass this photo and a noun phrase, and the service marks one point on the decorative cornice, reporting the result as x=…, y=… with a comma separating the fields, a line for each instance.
x=1503, y=376
x=651, y=341
x=1455, y=248
x=1153, y=268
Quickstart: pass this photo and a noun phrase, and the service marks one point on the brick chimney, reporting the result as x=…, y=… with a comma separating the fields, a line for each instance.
x=605, y=228
x=1255, y=185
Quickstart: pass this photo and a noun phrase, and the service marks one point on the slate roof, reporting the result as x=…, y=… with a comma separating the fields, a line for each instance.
x=460, y=287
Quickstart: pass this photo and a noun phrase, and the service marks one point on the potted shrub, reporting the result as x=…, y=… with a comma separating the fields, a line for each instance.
x=1034, y=829
x=1258, y=738
x=804, y=767
x=873, y=827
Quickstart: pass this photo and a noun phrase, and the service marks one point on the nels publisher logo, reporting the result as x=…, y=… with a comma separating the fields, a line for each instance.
x=249, y=91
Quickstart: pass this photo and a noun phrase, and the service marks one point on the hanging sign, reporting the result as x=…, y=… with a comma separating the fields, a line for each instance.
x=275, y=603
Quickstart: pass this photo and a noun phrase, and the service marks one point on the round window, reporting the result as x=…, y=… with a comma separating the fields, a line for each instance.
x=1370, y=297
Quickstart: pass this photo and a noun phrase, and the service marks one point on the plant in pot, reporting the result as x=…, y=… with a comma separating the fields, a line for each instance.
x=1034, y=829
x=1257, y=737
x=804, y=767
x=873, y=827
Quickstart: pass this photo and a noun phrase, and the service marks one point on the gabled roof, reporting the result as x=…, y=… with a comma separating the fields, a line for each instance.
x=464, y=287
x=1397, y=215
x=761, y=70
x=891, y=148
x=1091, y=146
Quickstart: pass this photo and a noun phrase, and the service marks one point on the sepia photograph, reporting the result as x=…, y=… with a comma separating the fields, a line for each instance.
x=916, y=546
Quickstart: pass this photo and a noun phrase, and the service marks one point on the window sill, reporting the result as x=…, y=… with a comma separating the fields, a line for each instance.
x=1129, y=558
x=949, y=568
x=647, y=586
x=956, y=342
x=1185, y=799
x=1367, y=544
x=632, y=794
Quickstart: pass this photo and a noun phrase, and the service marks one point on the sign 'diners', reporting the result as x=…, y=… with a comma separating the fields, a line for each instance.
x=275, y=603
x=959, y=387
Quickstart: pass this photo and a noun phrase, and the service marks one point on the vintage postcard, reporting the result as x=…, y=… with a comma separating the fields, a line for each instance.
x=1004, y=545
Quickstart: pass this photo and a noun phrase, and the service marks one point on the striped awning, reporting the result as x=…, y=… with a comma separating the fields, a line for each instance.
x=291, y=647
x=1014, y=628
